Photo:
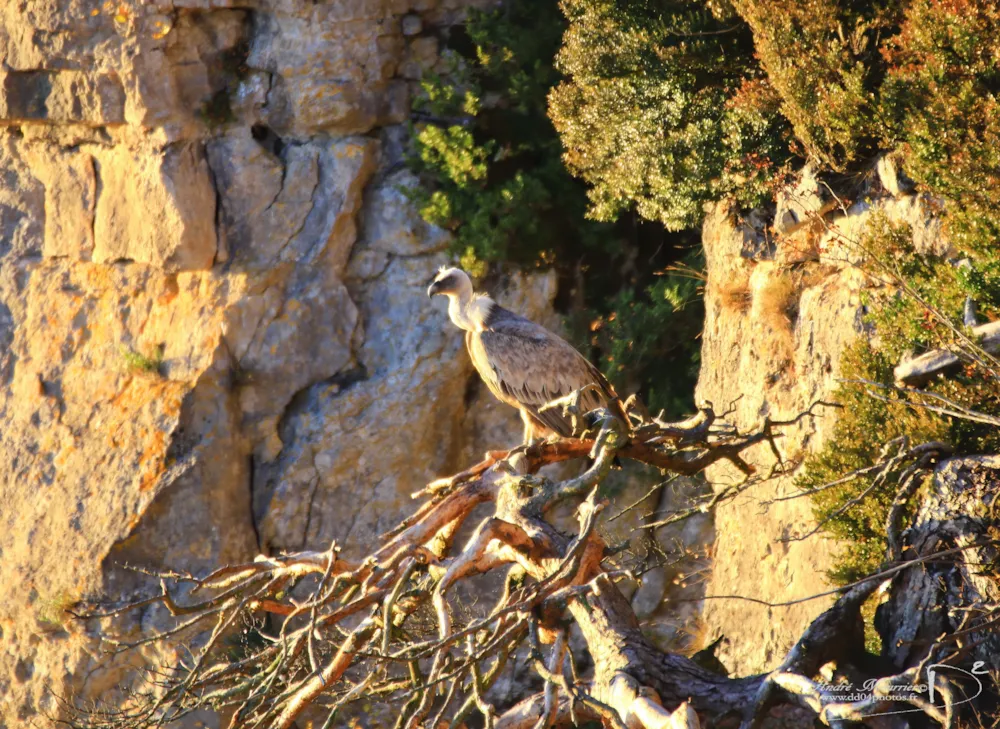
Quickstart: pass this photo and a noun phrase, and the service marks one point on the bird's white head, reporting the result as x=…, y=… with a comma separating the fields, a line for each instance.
x=467, y=310
x=453, y=283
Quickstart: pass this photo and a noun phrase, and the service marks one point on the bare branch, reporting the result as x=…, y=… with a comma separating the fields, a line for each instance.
x=328, y=632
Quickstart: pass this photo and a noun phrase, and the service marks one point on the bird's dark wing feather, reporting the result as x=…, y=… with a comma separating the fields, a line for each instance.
x=527, y=366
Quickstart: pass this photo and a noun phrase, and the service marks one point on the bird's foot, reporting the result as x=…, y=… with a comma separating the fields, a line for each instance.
x=570, y=404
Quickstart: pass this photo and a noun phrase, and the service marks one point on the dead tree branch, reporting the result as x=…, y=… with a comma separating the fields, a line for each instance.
x=389, y=627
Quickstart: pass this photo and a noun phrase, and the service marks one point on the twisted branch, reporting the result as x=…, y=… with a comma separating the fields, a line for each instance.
x=387, y=627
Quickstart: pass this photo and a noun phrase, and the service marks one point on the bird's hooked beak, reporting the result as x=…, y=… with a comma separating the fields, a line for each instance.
x=434, y=289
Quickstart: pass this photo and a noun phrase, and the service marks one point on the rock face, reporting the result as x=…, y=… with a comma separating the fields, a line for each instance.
x=214, y=336
x=780, y=311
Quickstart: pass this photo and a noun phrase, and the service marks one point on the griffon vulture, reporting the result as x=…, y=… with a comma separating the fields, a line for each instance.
x=522, y=363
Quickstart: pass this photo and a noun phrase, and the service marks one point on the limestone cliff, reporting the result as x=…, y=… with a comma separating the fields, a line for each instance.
x=214, y=338
x=783, y=301
x=214, y=334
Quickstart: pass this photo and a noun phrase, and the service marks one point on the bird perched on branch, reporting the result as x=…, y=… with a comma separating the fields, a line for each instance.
x=524, y=364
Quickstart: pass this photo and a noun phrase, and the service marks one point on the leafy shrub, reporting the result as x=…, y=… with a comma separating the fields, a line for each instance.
x=940, y=93
x=822, y=59
x=492, y=165
x=487, y=150
x=650, y=333
x=918, y=289
x=664, y=109
x=863, y=426
x=918, y=308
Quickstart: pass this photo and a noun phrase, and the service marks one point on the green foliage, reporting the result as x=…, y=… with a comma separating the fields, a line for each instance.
x=669, y=105
x=491, y=163
x=822, y=59
x=138, y=362
x=919, y=308
x=863, y=426
x=922, y=305
x=664, y=109
x=490, y=153
x=920, y=288
x=940, y=94
x=627, y=337
x=981, y=280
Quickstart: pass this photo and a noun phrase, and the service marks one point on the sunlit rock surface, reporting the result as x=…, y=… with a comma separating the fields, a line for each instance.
x=214, y=338
x=781, y=308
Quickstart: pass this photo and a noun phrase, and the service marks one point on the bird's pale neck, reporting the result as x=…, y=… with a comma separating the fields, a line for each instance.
x=468, y=311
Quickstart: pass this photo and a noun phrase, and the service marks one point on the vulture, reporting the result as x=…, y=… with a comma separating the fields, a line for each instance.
x=523, y=364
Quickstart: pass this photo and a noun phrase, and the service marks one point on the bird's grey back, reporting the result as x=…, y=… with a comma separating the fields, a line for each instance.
x=525, y=364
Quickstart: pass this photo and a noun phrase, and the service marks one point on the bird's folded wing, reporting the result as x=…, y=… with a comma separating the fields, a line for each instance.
x=524, y=362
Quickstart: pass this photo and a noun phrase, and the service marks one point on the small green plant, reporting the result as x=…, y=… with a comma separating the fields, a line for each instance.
x=53, y=612
x=138, y=362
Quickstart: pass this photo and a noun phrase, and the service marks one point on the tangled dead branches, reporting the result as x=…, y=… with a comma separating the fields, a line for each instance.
x=328, y=632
